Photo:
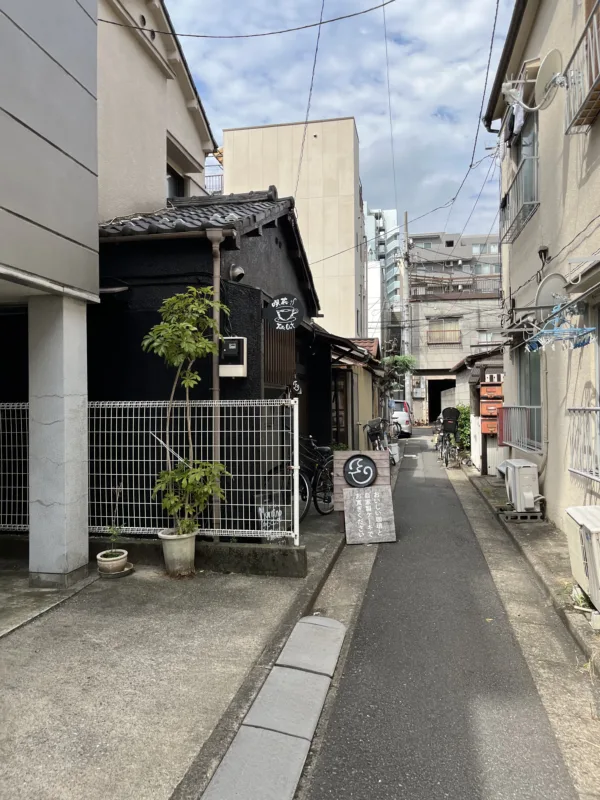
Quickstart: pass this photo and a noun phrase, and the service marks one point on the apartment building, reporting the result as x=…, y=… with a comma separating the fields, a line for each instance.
x=454, y=310
x=318, y=164
x=384, y=292
x=48, y=268
x=550, y=233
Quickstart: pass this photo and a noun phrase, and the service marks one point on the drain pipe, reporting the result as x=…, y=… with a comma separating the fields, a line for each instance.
x=216, y=237
x=544, y=464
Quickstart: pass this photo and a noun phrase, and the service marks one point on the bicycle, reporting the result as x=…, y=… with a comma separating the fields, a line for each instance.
x=315, y=479
x=376, y=430
x=449, y=444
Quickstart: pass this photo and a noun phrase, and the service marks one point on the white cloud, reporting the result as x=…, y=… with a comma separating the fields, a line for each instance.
x=438, y=51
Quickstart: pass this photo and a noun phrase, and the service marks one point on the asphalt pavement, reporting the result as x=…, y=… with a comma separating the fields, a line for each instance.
x=436, y=699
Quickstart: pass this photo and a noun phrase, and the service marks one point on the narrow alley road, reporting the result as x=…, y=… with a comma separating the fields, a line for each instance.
x=436, y=699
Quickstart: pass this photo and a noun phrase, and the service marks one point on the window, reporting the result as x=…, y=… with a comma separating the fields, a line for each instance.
x=449, y=243
x=479, y=249
x=530, y=393
x=444, y=331
x=493, y=249
x=484, y=337
x=175, y=183
x=424, y=245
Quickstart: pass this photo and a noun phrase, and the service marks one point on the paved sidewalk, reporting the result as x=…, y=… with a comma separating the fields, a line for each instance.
x=113, y=693
x=546, y=550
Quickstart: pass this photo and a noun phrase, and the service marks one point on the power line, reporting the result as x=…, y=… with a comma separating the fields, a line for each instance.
x=487, y=75
x=310, y=91
x=246, y=35
x=387, y=72
x=492, y=165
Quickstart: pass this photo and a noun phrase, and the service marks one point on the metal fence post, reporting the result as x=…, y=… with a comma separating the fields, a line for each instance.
x=296, y=470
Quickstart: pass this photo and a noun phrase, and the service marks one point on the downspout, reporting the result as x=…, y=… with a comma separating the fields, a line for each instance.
x=544, y=463
x=216, y=237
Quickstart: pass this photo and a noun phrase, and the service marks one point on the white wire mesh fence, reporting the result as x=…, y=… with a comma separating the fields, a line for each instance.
x=257, y=442
x=14, y=466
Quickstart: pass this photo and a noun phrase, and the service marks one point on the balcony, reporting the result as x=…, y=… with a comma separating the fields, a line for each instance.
x=584, y=442
x=423, y=287
x=583, y=78
x=214, y=183
x=521, y=201
x=447, y=337
x=521, y=427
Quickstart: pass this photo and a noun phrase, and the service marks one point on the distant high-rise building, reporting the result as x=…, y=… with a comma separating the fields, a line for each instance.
x=384, y=298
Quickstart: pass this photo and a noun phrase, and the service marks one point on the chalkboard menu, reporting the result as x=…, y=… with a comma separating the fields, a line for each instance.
x=369, y=515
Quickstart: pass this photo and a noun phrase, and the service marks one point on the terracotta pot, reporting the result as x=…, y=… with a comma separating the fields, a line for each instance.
x=179, y=551
x=112, y=564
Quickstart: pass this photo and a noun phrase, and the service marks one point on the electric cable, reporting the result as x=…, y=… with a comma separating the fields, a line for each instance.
x=245, y=35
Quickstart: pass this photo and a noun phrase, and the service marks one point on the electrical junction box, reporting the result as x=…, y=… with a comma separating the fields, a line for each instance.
x=233, y=361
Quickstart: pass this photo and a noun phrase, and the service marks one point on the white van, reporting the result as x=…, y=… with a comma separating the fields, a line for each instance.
x=403, y=416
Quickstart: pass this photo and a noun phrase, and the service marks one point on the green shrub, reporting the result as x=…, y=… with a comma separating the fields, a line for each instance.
x=464, y=427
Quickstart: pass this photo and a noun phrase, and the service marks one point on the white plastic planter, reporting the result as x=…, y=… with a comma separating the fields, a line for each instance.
x=179, y=551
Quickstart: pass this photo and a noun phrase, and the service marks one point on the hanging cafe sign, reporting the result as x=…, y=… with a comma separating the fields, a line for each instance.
x=559, y=328
x=285, y=312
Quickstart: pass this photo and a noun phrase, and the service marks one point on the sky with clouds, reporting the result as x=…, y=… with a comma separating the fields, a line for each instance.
x=438, y=51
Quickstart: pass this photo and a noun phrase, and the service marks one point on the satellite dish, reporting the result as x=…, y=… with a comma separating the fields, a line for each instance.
x=548, y=80
x=550, y=289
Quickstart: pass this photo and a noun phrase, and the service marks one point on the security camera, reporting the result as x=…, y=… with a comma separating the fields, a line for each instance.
x=236, y=273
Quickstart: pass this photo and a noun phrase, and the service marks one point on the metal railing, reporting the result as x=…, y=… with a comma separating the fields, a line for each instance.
x=522, y=428
x=521, y=201
x=443, y=337
x=583, y=78
x=584, y=442
x=258, y=445
x=489, y=284
x=214, y=183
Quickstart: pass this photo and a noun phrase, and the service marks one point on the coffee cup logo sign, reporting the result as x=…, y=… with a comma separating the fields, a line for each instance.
x=360, y=471
x=285, y=312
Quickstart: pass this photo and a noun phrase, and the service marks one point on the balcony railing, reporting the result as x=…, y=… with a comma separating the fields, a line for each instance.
x=449, y=337
x=584, y=442
x=583, y=78
x=214, y=183
x=521, y=201
x=423, y=286
x=522, y=428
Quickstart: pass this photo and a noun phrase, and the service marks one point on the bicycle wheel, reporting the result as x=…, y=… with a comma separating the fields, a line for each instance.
x=323, y=491
x=446, y=455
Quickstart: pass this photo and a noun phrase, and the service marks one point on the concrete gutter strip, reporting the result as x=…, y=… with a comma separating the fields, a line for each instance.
x=548, y=556
x=266, y=758
x=199, y=774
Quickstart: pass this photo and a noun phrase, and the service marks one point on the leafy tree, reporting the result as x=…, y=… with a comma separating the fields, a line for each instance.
x=184, y=335
x=394, y=369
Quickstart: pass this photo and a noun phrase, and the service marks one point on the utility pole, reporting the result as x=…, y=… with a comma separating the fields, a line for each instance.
x=405, y=293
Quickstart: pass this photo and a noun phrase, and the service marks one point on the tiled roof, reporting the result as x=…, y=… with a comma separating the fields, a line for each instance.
x=244, y=212
x=370, y=345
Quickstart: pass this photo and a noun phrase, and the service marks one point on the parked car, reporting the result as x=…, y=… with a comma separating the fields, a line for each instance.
x=403, y=416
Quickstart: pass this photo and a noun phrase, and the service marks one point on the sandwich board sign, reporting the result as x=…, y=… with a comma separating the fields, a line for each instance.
x=363, y=495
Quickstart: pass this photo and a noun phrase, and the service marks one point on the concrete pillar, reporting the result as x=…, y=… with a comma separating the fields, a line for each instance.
x=58, y=441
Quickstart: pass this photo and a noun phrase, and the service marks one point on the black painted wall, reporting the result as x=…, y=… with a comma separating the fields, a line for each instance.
x=118, y=369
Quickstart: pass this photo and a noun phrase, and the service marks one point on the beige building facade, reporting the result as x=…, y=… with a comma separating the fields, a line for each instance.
x=328, y=203
x=153, y=134
x=550, y=232
x=454, y=312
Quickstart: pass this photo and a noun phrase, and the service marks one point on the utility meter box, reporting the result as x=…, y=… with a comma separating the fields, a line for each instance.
x=233, y=360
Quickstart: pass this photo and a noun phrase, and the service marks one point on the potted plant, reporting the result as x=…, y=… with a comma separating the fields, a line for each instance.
x=184, y=335
x=114, y=559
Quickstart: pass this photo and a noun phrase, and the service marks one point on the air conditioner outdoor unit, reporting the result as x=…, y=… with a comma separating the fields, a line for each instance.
x=522, y=487
x=583, y=538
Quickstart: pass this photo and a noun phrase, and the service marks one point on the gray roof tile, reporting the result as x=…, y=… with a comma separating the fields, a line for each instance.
x=244, y=212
